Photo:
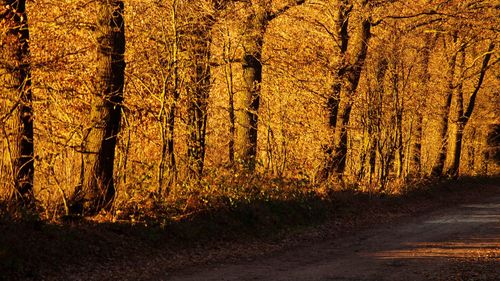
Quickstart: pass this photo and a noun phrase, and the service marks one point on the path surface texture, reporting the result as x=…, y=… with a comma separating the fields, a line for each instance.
x=459, y=243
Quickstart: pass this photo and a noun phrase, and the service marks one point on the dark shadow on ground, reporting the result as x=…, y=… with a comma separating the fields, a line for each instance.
x=32, y=250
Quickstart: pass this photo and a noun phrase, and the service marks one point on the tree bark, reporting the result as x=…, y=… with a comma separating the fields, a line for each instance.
x=229, y=76
x=15, y=80
x=167, y=171
x=353, y=51
x=376, y=113
x=97, y=189
x=199, y=39
x=464, y=116
x=248, y=101
x=416, y=151
x=198, y=93
x=437, y=169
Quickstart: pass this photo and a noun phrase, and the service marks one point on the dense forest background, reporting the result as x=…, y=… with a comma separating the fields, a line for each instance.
x=129, y=106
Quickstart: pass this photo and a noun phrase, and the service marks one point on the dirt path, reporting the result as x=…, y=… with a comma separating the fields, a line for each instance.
x=461, y=243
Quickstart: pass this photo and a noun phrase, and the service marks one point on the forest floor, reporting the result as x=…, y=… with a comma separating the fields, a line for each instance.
x=449, y=232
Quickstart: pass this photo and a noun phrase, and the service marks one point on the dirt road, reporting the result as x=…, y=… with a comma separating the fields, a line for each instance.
x=461, y=243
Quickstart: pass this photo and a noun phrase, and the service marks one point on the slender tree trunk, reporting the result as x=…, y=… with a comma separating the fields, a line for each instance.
x=458, y=150
x=198, y=93
x=97, y=189
x=416, y=160
x=353, y=51
x=399, y=136
x=416, y=151
x=197, y=122
x=464, y=116
x=199, y=39
x=396, y=144
x=228, y=73
x=167, y=168
x=15, y=84
x=376, y=113
x=460, y=125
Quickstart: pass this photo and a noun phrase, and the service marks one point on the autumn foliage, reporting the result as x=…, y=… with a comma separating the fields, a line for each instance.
x=140, y=106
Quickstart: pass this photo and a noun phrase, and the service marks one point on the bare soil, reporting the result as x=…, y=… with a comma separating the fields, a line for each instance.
x=446, y=233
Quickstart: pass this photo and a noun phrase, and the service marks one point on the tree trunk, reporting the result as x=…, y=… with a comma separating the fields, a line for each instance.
x=399, y=108
x=228, y=74
x=197, y=121
x=199, y=39
x=437, y=169
x=248, y=100
x=464, y=116
x=353, y=51
x=376, y=113
x=97, y=189
x=416, y=153
x=247, y=112
x=198, y=92
x=459, y=127
x=416, y=157
x=167, y=169
x=15, y=80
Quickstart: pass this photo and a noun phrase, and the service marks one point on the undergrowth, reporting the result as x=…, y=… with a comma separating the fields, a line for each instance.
x=244, y=202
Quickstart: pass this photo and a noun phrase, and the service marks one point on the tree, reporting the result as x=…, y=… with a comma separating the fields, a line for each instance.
x=97, y=191
x=199, y=76
x=353, y=48
x=416, y=157
x=167, y=169
x=15, y=80
x=465, y=115
x=247, y=103
x=454, y=49
x=373, y=120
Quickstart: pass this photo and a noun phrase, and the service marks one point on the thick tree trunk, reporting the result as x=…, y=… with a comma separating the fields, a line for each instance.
x=15, y=85
x=247, y=112
x=247, y=103
x=97, y=189
x=353, y=51
x=437, y=169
